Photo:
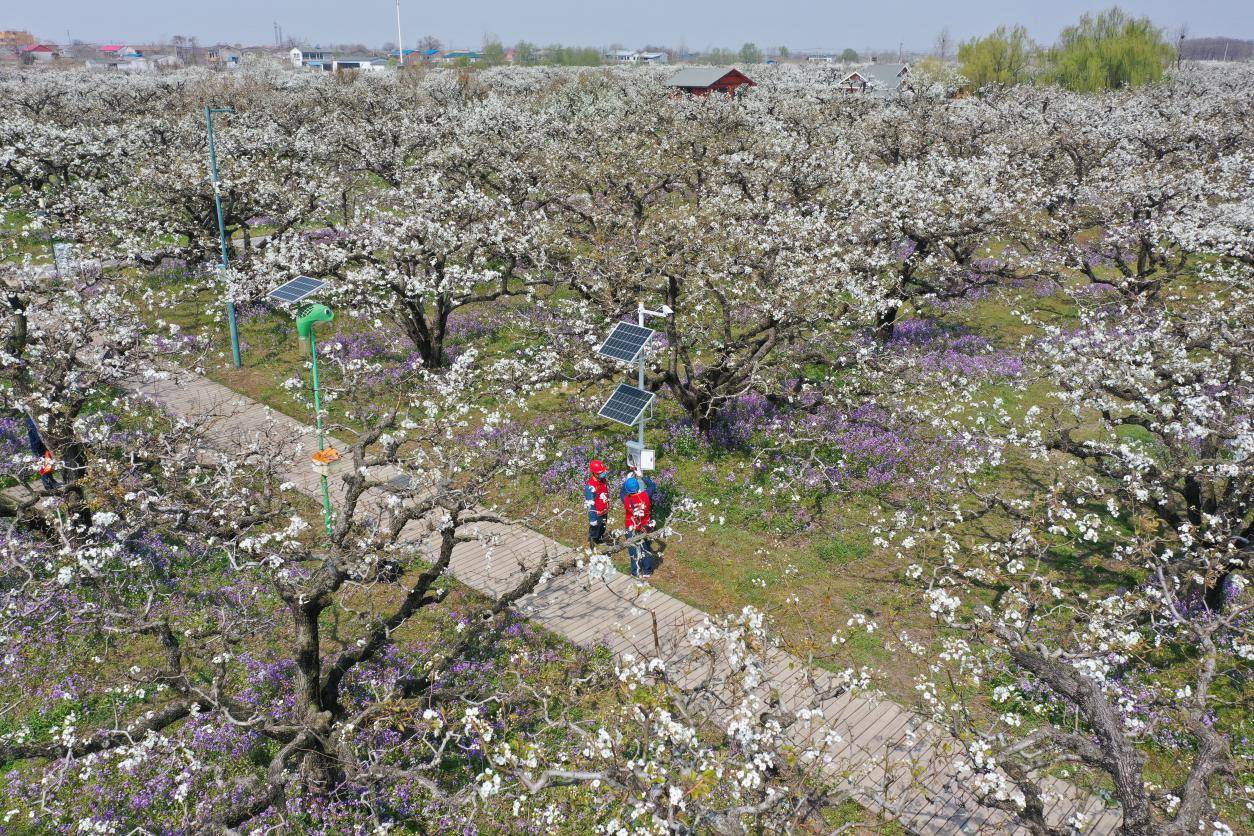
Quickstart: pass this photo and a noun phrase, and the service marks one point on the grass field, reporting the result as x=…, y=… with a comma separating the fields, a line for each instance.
x=810, y=576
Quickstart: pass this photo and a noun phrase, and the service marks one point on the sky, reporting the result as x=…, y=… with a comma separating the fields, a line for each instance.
x=696, y=24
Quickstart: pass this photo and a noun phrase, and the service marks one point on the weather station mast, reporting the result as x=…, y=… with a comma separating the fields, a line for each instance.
x=630, y=405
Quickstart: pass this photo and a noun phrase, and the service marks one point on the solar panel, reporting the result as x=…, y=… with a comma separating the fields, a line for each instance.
x=626, y=404
x=626, y=341
x=297, y=289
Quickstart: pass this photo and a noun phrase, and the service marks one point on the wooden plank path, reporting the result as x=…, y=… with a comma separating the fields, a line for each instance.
x=894, y=762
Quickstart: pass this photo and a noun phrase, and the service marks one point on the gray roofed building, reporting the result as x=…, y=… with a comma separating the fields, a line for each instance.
x=884, y=80
x=705, y=80
x=697, y=76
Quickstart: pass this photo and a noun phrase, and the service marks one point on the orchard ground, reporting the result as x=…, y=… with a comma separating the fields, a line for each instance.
x=954, y=389
x=809, y=561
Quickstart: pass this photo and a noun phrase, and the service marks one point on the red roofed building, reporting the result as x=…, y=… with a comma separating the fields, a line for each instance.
x=40, y=52
x=702, y=81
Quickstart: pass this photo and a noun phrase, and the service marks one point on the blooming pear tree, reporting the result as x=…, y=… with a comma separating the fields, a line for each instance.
x=419, y=253
x=1149, y=487
x=1067, y=485
x=224, y=662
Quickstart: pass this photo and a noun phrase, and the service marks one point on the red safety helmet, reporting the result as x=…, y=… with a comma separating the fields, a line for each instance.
x=597, y=467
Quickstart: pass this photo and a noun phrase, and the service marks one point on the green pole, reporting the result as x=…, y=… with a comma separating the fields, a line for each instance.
x=305, y=322
x=217, y=200
x=322, y=438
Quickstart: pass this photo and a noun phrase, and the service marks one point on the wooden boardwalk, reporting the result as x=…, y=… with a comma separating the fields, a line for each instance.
x=895, y=764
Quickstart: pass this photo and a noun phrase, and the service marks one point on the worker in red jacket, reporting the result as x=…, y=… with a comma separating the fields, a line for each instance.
x=638, y=520
x=596, y=496
x=38, y=448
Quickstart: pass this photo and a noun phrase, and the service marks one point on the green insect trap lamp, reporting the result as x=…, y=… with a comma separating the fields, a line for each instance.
x=310, y=316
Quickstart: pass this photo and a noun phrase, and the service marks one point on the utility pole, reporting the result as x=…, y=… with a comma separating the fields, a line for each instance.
x=400, y=45
x=217, y=202
x=641, y=313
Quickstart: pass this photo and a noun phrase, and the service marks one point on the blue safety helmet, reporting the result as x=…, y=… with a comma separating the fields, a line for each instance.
x=632, y=485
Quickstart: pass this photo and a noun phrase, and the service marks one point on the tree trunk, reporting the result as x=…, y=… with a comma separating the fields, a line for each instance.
x=698, y=406
x=886, y=324
x=307, y=655
x=428, y=341
x=317, y=768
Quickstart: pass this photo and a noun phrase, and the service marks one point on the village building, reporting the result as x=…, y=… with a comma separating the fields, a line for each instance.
x=319, y=58
x=40, y=52
x=634, y=56
x=702, y=81
x=223, y=56
x=882, y=81
x=117, y=52
x=11, y=43
x=365, y=64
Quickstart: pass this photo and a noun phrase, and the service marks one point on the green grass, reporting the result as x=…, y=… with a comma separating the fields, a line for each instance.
x=815, y=578
x=841, y=551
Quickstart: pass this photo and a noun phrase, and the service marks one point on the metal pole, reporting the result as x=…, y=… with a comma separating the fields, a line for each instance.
x=640, y=322
x=400, y=45
x=322, y=439
x=217, y=201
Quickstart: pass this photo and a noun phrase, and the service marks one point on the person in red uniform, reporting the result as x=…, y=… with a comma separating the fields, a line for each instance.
x=38, y=448
x=596, y=495
x=638, y=519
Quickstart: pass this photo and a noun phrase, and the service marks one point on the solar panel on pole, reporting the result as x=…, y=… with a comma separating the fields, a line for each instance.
x=296, y=290
x=626, y=405
x=626, y=342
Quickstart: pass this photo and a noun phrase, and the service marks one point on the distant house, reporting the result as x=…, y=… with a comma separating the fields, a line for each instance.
x=116, y=51
x=319, y=58
x=632, y=56
x=134, y=65
x=40, y=52
x=15, y=39
x=882, y=81
x=702, y=81
x=223, y=56
x=365, y=64
x=461, y=55
x=409, y=54
x=429, y=55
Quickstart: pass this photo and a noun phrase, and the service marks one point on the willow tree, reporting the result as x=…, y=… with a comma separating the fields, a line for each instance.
x=1001, y=57
x=1109, y=51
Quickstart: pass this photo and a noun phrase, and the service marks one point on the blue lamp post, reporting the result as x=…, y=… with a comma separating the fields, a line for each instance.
x=217, y=200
